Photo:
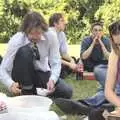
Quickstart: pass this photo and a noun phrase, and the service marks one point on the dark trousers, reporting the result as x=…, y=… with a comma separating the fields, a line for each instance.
x=29, y=78
x=90, y=64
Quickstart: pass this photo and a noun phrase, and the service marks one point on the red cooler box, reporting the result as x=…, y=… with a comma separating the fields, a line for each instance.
x=88, y=75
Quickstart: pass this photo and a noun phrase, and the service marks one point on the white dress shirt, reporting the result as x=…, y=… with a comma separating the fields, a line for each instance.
x=63, y=46
x=48, y=50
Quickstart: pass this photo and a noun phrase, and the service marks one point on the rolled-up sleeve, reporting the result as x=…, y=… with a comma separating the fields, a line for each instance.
x=54, y=57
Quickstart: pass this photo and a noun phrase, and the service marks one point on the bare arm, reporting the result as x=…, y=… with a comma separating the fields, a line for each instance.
x=87, y=53
x=68, y=61
x=111, y=80
x=105, y=51
x=66, y=57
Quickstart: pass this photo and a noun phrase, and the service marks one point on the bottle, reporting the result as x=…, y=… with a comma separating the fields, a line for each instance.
x=80, y=69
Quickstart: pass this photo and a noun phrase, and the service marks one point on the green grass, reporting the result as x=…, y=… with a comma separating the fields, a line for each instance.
x=81, y=89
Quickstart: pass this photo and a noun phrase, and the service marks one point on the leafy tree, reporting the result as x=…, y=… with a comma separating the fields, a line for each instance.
x=11, y=15
x=12, y=11
x=109, y=12
x=78, y=13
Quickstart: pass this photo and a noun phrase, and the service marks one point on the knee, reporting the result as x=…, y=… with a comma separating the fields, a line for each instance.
x=100, y=70
x=97, y=71
x=63, y=90
x=24, y=52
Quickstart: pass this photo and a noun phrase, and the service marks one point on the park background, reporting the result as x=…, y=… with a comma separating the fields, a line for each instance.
x=79, y=14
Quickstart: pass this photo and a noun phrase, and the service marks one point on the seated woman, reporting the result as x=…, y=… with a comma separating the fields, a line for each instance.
x=113, y=73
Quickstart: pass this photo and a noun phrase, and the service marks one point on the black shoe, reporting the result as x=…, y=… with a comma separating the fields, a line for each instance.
x=28, y=90
x=108, y=106
x=72, y=107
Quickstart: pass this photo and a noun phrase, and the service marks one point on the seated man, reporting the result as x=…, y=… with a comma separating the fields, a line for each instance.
x=95, y=48
x=25, y=64
x=57, y=24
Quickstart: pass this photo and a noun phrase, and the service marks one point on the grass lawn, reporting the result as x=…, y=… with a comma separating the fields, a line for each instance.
x=81, y=89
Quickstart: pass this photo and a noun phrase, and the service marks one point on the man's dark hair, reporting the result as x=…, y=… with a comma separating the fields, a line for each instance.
x=33, y=20
x=95, y=24
x=54, y=19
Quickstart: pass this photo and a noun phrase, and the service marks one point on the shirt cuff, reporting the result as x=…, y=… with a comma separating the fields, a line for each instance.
x=9, y=83
x=55, y=79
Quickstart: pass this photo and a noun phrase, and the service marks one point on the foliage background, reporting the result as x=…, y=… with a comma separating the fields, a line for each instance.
x=78, y=13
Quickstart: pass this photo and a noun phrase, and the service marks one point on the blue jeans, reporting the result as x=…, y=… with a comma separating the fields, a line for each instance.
x=98, y=99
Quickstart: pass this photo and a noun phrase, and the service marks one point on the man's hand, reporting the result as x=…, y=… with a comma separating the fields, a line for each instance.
x=101, y=43
x=72, y=66
x=51, y=86
x=116, y=112
x=15, y=88
x=95, y=40
x=100, y=34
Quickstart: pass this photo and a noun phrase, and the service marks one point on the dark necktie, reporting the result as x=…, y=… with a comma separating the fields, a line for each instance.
x=35, y=51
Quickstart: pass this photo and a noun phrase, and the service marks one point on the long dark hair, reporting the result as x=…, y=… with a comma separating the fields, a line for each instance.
x=114, y=29
x=33, y=20
x=54, y=19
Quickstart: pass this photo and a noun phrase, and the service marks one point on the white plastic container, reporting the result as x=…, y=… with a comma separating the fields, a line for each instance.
x=29, y=107
x=29, y=103
x=48, y=115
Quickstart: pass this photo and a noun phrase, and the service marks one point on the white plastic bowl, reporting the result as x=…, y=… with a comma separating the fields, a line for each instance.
x=42, y=91
x=48, y=115
x=29, y=103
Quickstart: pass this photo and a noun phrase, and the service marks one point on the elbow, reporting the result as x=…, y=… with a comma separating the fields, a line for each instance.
x=83, y=57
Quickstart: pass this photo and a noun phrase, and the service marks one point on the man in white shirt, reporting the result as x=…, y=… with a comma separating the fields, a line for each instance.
x=32, y=60
x=57, y=24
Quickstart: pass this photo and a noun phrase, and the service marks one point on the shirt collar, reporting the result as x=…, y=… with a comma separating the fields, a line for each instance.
x=43, y=37
x=53, y=29
x=27, y=41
